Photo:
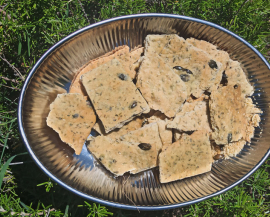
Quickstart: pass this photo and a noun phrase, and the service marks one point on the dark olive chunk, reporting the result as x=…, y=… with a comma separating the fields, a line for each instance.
x=75, y=115
x=185, y=78
x=188, y=71
x=122, y=76
x=178, y=68
x=212, y=64
x=133, y=105
x=229, y=137
x=219, y=157
x=221, y=147
x=235, y=86
x=145, y=146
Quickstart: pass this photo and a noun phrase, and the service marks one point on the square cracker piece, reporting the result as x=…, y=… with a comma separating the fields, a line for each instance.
x=135, y=124
x=72, y=118
x=189, y=156
x=228, y=114
x=129, y=60
x=193, y=116
x=116, y=156
x=147, y=134
x=114, y=96
x=160, y=86
x=204, y=73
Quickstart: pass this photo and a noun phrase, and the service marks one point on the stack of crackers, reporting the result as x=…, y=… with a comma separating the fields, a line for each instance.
x=175, y=104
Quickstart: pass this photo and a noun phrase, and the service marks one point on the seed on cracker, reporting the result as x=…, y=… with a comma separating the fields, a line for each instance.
x=189, y=156
x=160, y=86
x=114, y=96
x=228, y=114
x=72, y=118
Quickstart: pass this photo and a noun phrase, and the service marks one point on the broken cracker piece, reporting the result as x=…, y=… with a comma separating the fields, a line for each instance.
x=228, y=114
x=164, y=132
x=76, y=85
x=117, y=156
x=72, y=118
x=134, y=124
x=114, y=96
x=236, y=76
x=160, y=86
x=195, y=67
x=193, y=116
x=148, y=134
x=189, y=156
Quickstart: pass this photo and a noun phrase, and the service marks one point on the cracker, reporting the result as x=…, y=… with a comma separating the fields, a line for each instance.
x=76, y=85
x=147, y=134
x=204, y=72
x=228, y=114
x=160, y=86
x=72, y=118
x=189, y=156
x=164, y=133
x=236, y=76
x=131, y=61
x=135, y=124
x=117, y=156
x=114, y=96
x=192, y=117
x=218, y=55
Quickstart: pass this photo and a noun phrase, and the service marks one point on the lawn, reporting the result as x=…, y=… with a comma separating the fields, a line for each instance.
x=29, y=27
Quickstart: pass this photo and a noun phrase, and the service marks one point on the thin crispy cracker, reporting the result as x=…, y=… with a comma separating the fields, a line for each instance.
x=114, y=96
x=189, y=156
x=129, y=60
x=147, y=134
x=175, y=51
x=117, y=156
x=164, y=132
x=135, y=124
x=228, y=114
x=160, y=86
x=72, y=118
x=76, y=85
x=193, y=116
x=236, y=76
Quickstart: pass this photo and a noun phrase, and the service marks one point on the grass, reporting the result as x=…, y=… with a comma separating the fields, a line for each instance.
x=29, y=27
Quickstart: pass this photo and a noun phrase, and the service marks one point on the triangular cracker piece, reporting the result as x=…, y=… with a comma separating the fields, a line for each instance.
x=135, y=124
x=236, y=76
x=194, y=66
x=148, y=134
x=72, y=118
x=76, y=85
x=114, y=96
x=160, y=86
x=193, y=116
x=189, y=156
x=228, y=114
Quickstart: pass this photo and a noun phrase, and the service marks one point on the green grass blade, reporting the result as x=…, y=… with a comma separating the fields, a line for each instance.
x=20, y=45
x=4, y=168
